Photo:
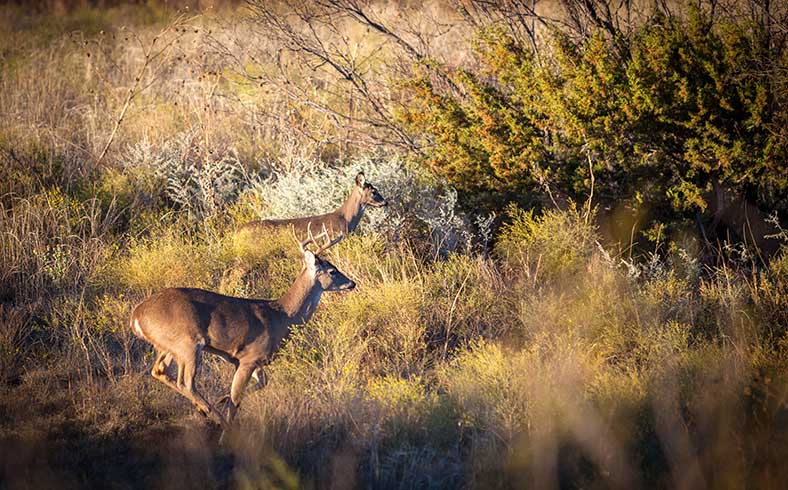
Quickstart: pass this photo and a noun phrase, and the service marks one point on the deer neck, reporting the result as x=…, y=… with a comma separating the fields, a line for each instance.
x=352, y=209
x=300, y=301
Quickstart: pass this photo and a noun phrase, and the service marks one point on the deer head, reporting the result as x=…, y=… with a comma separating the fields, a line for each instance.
x=329, y=277
x=370, y=196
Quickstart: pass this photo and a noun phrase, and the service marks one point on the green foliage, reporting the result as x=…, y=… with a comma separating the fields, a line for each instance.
x=690, y=104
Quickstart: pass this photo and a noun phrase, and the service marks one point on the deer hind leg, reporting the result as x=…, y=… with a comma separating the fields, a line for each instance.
x=161, y=364
x=188, y=367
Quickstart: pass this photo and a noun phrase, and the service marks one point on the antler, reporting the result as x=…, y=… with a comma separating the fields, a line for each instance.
x=329, y=242
x=313, y=239
x=301, y=245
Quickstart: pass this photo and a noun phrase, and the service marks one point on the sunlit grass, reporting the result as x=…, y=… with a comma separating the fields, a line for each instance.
x=543, y=361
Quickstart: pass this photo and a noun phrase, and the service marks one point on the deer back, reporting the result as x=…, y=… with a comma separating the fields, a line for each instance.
x=333, y=223
x=224, y=323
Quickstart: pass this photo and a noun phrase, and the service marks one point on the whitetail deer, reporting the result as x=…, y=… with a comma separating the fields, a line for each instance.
x=342, y=221
x=182, y=322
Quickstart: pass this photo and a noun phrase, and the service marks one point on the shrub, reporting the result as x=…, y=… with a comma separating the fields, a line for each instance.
x=653, y=115
x=15, y=330
x=199, y=186
x=546, y=248
x=408, y=411
x=51, y=241
x=486, y=387
x=465, y=298
x=170, y=258
x=389, y=321
x=264, y=266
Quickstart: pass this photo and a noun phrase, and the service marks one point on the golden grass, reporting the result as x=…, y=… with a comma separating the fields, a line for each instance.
x=545, y=363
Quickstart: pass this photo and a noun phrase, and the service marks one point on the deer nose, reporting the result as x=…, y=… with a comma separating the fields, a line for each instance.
x=350, y=285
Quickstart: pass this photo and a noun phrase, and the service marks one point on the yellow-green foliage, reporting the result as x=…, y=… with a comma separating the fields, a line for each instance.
x=170, y=259
x=51, y=240
x=129, y=188
x=258, y=246
x=462, y=301
x=408, y=408
x=546, y=247
x=367, y=260
x=770, y=293
x=242, y=211
x=486, y=384
x=584, y=309
x=264, y=469
x=539, y=347
x=265, y=263
x=111, y=314
x=389, y=320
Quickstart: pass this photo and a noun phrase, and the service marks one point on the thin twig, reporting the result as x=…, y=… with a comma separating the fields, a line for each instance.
x=135, y=89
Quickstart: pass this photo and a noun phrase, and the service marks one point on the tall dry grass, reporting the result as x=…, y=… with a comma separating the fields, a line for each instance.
x=546, y=361
x=586, y=374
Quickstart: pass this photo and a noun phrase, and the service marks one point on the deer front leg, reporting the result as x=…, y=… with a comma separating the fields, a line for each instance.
x=240, y=380
x=260, y=378
x=258, y=375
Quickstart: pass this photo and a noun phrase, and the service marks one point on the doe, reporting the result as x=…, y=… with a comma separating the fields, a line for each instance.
x=342, y=220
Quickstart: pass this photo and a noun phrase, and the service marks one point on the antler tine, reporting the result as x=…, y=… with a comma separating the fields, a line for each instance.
x=324, y=233
x=310, y=238
x=300, y=244
x=330, y=243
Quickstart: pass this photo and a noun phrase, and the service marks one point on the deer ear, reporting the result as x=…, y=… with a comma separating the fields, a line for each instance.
x=360, y=180
x=309, y=258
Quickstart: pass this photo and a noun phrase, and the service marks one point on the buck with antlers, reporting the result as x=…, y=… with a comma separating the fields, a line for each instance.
x=342, y=221
x=181, y=323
